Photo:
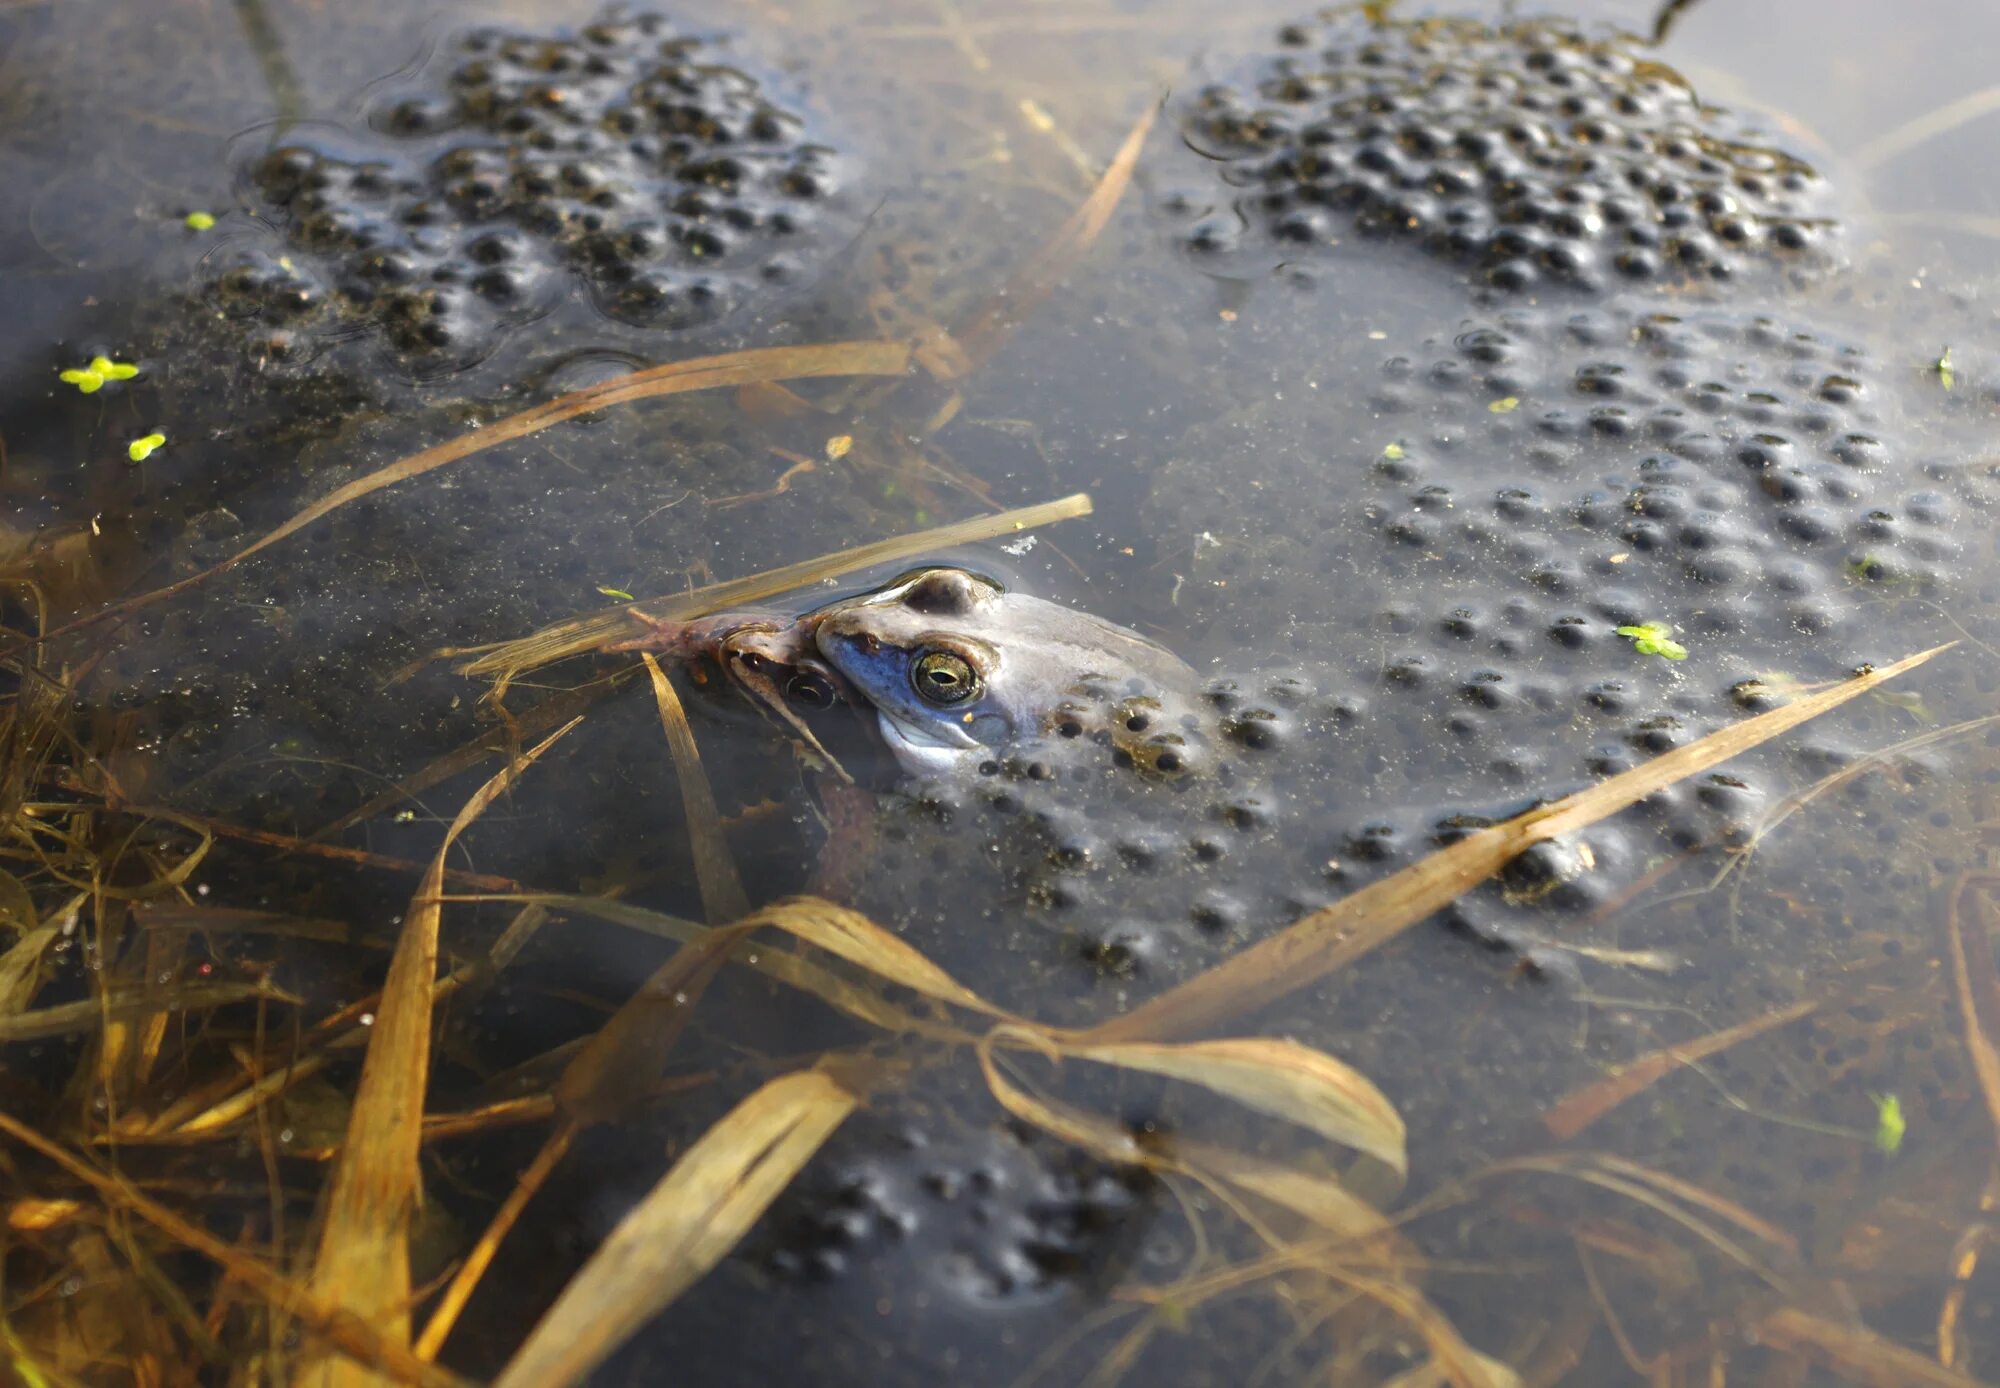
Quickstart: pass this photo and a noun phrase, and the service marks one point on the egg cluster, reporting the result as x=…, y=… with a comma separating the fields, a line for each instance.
x=1589, y=470
x=627, y=155
x=1527, y=150
x=994, y=1215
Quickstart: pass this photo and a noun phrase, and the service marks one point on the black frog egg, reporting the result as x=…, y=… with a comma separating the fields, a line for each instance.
x=1470, y=145
x=556, y=142
x=663, y=298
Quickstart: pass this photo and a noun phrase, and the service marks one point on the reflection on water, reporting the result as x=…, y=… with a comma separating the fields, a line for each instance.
x=1476, y=413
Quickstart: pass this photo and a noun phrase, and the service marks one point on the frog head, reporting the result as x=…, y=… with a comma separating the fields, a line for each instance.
x=956, y=666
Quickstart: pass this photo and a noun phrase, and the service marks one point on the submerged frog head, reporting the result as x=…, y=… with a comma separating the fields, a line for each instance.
x=955, y=666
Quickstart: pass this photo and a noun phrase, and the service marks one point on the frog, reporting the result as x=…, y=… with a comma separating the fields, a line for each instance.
x=956, y=667
x=951, y=667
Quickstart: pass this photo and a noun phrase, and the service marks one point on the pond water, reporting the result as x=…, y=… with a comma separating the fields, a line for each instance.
x=1481, y=403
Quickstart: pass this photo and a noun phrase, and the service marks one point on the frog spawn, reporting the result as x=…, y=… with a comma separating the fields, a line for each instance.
x=1463, y=541
x=1454, y=576
x=628, y=155
x=998, y=1217
x=1529, y=151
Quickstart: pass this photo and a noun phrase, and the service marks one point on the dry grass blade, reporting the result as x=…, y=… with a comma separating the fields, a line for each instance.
x=1032, y=283
x=1670, y=1197
x=1281, y=1078
x=1339, y=934
x=865, y=358
x=1972, y=953
x=1698, y=1197
x=1893, y=144
x=617, y=1066
x=683, y=1227
x=792, y=970
x=722, y=894
x=1249, y=1078
x=1101, y=1137
x=1854, y=770
x=29, y=727
x=1319, y=1198
x=579, y=635
x=610, y=1076
x=1577, y=1110
x=363, y=1263
x=21, y=971
x=556, y=709
x=853, y=937
x=289, y=843
x=226, y=920
x=1453, y=1361
x=1855, y=1351
x=89, y=1014
x=339, y=1327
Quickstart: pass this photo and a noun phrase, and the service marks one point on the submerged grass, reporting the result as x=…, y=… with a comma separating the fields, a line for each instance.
x=175, y=1060
x=363, y=1264
x=1338, y=935
x=581, y=635
x=751, y=367
x=1320, y=1230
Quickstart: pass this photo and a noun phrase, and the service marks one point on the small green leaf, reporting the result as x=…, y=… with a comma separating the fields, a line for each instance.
x=1942, y=366
x=141, y=449
x=618, y=593
x=199, y=221
x=1890, y=1125
x=1505, y=405
x=1393, y=452
x=90, y=379
x=1654, y=638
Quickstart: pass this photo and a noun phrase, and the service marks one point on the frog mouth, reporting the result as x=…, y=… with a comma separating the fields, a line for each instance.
x=923, y=746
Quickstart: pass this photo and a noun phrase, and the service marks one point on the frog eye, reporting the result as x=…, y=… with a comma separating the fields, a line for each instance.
x=812, y=689
x=944, y=677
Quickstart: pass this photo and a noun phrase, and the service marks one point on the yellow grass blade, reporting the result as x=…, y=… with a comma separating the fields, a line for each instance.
x=21, y=971
x=1972, y=954
x=1337, y=935
x=1671, y=1198
x=792, y=970
x=1857, y=1353
x=363, y=1264
x=1101, y=1137
x=451, y=1302
x=618, y=1065
x=858, y=940
x=722, y=894
x=89, y=1014
x=1280, y=1078
x=683, y=1227
x=578, y=635
x=1319, y=1198
x=1453, y=1361
x=339, y=1327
